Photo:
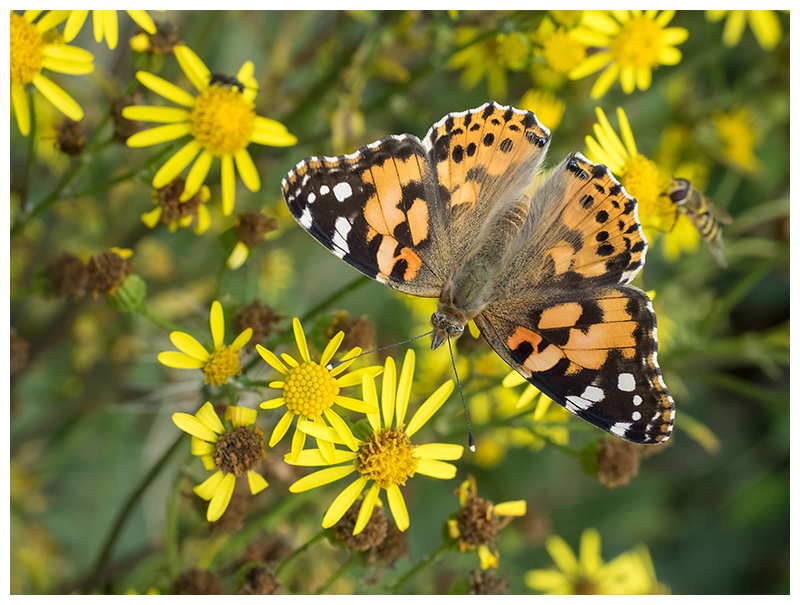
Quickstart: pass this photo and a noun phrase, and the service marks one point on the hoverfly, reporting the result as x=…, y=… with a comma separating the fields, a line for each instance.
x=704, y=215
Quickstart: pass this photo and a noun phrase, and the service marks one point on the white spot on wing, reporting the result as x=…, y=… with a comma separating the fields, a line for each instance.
x=324, y=190
x=580, y=402
x=342, y=191
x=593, y=393
x=312, y=197
x=341, y=229
x=637, y=400
x=620, y=428
x=626, y=382
x=636, y=416
x=305, y=218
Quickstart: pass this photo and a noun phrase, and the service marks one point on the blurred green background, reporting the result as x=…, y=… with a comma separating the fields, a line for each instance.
x=90, y=414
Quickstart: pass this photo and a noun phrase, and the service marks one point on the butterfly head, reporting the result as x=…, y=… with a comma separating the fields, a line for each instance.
x=445, y=326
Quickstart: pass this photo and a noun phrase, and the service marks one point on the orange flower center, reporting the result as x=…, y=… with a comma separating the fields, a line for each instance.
x=309, y=390
x=223, y=364
x=387, y=458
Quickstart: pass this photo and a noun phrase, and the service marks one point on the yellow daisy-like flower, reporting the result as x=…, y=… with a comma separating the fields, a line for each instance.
x=382, y=455
x=221, y=122
x=232, y=451
x=736, y=131
x=479, y=59
x=632, y=43
x=588, y=573
x=547, y=107
x=33, y=49
x=562, y=51
x=105, y=24
x=765, y=25
x=218, y=364
x=476, y=525
x=310, y=390
x=637, y=173
x=529, y=395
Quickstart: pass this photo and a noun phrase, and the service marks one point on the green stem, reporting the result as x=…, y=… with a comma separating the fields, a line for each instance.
x=422, y=564
x=159, y=321
x=288, y=560
x=354, y=560
x=116, y=529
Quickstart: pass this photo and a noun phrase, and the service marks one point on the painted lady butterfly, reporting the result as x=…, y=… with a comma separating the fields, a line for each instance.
x=543, y=271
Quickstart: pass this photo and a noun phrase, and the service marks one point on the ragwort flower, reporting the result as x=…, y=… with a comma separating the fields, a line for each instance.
x=384, y=458
x=232, y=451
x=105, y=24
x=221, y=122
x=219, y=364
x=632, y=44
x=310, y=389
x=173, y=211
x=589, y=574
x=33, y=49
x=765, y=25
x=476, y=524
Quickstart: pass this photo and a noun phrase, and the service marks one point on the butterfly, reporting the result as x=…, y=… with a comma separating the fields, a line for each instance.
x=542, y=263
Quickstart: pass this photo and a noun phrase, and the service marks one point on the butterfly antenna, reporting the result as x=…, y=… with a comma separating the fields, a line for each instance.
x=458, y=382
x=330, y=366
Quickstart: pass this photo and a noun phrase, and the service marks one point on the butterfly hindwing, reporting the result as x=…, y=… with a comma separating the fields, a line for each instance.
x=593, y=352
x=372, y=210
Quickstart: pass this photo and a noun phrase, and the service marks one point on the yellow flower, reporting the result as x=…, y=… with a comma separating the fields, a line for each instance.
x=479, y=58
x=220, y=363
x=765, y=25
x=632, y=44
x=562, y=51
x=170, y=209
x=589, y=574
x=221, y=122
x=736, y=130
x=33, y=49
x=233, y=452
x=382, y=455
x=476, y=525
x=310, y=389
x=548, y=109
x=637, y=173
x=105, y=24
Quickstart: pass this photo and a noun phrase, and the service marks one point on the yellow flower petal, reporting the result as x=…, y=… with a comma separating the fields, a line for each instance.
x=271, y=404
x=320, y=432
x=313, y=457
x=193, y=426
x=166, y=89
x=74, y=24
x=162, y=134
x=228, y=184
x=343, y=502
x=197, y=174
x=208, y=488
x=439, y=451
x=217, y=321
x=300, y=337
x=221, y=499
x=110, y=26
x=22, y=110
x=56, y=95
x=388, y=391
x=153, y=113
x=330, y=350
x=71, y=68
x=256, y=482
x=189, y=346
x=562, y=555
x=370, y=395
x=208, y=416
x=515, y=508
x=365, y=512
x=272, y=359
x=247, y=170
x=398, y=507
x=429, y=408
x=143, y=20
x=240, y=416
x=173, y=359
x=404, y=387
x=274, y=139
x=192, y=66
x=298, y=441
x=201, y=447
x=627, y=133
x=237, y=256
x=590, y=551
x=341, y=428
x=322, y=477
x=280, y=429
x=241, y=340
x=436, y=469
